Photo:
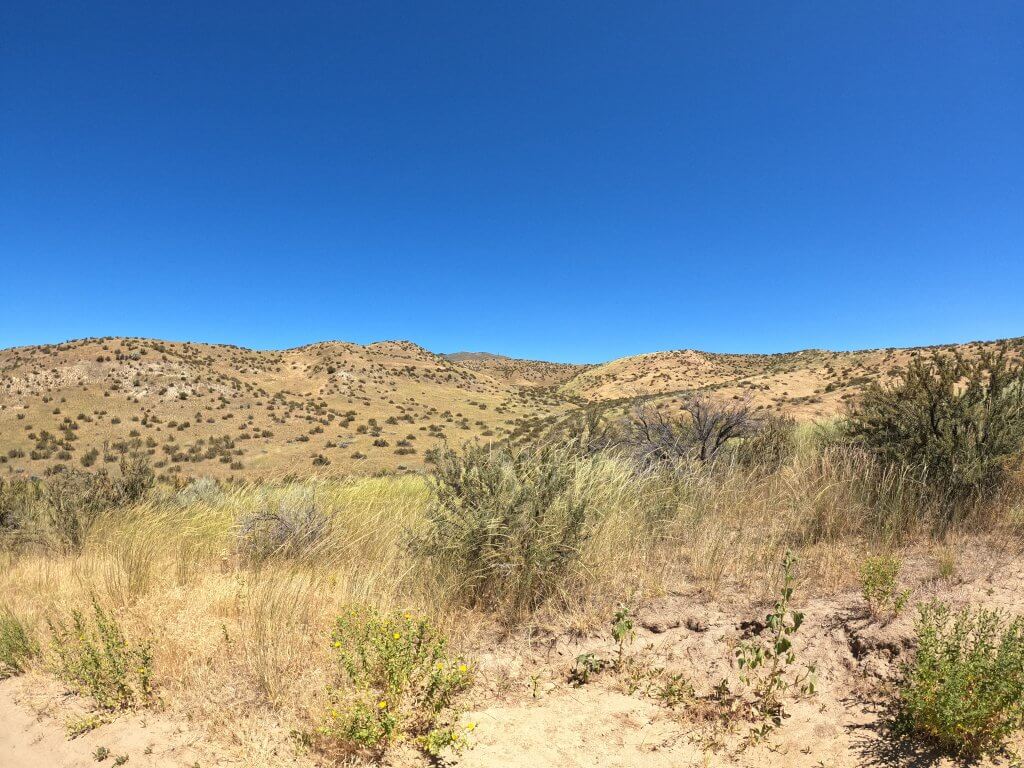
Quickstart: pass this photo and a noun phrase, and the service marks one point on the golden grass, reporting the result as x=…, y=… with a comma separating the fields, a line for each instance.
x=241, y=648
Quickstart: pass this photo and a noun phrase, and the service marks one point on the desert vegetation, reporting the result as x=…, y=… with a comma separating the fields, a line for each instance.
x=732, y=570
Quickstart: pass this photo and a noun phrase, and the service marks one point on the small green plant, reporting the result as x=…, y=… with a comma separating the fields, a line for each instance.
x=84, y=725
x=99, y=662
x=100, y=754
x=17, y=647
x=623, y=632
x=120, y=759
x=765, y=664
x=964, y=689
x=401, y=684
x=674, y=690
x=879, y=581
x=585, y=666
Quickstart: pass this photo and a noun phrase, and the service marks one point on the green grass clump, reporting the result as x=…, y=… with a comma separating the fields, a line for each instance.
x=99, y=662
x=964, y=689
x=17, y=647
x=400, y=684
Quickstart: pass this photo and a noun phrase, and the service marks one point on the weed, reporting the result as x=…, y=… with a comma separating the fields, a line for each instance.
x=95, y=657
x=674, y=690
x=879, y=580
x=586, y=665
x=84, y=725
x=17, y=647
x=402, y=684
x=100, y=754
x=964, y=689
x=765, y=666
x=623, y=632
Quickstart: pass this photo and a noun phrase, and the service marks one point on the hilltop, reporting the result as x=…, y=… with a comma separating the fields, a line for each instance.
x=337, y=407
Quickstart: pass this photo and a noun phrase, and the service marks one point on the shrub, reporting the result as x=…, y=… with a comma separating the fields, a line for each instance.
x=292, y=530
x=401, y=684
x=964, y=689
x=879, y=580
x=17, y=647
x=770, y=445
x=136, y=479
x=507, y=524
x=961, y=420
x=99, y=662
x=76, y=500
x=203, y=490
x=17, y=498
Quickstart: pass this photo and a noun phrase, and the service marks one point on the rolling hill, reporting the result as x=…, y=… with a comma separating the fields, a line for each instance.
x=337, y=407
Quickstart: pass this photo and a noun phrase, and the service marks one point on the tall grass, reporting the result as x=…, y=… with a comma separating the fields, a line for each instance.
x=240, y=644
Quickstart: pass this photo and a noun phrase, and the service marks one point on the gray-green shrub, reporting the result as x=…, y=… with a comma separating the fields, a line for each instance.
x=507, y=523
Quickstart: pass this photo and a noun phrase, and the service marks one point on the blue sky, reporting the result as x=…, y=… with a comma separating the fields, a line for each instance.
x=562, y=180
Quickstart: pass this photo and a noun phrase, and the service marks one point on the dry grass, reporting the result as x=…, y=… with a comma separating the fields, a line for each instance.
x=241, y=647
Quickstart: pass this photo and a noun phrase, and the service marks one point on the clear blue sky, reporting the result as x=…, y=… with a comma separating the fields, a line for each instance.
x=562, y=180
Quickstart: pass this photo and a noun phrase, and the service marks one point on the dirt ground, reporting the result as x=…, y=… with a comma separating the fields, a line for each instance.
x=529, y=715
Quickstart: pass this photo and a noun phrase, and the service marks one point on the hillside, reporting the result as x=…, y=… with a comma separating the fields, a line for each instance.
x=336, y=407
x=221, y=410
x=809, y=384
x=523, y=373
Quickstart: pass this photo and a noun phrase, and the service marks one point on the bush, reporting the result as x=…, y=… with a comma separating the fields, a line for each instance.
x=76, y=500
x=960, y=420
x=507, y=524
x=290, y=531
x=401, y=684
x=17, y=498
x=136, y=479
x=99, y=662
x=17, y=647
x=770, y=445
x=964, y=689
x=879, y=579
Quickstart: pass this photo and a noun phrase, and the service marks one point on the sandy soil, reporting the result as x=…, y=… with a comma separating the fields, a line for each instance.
x=530, y=716
x=34, y=717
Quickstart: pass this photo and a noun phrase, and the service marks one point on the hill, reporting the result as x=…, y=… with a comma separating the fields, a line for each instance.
x=337, y=407
x=523, y=373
